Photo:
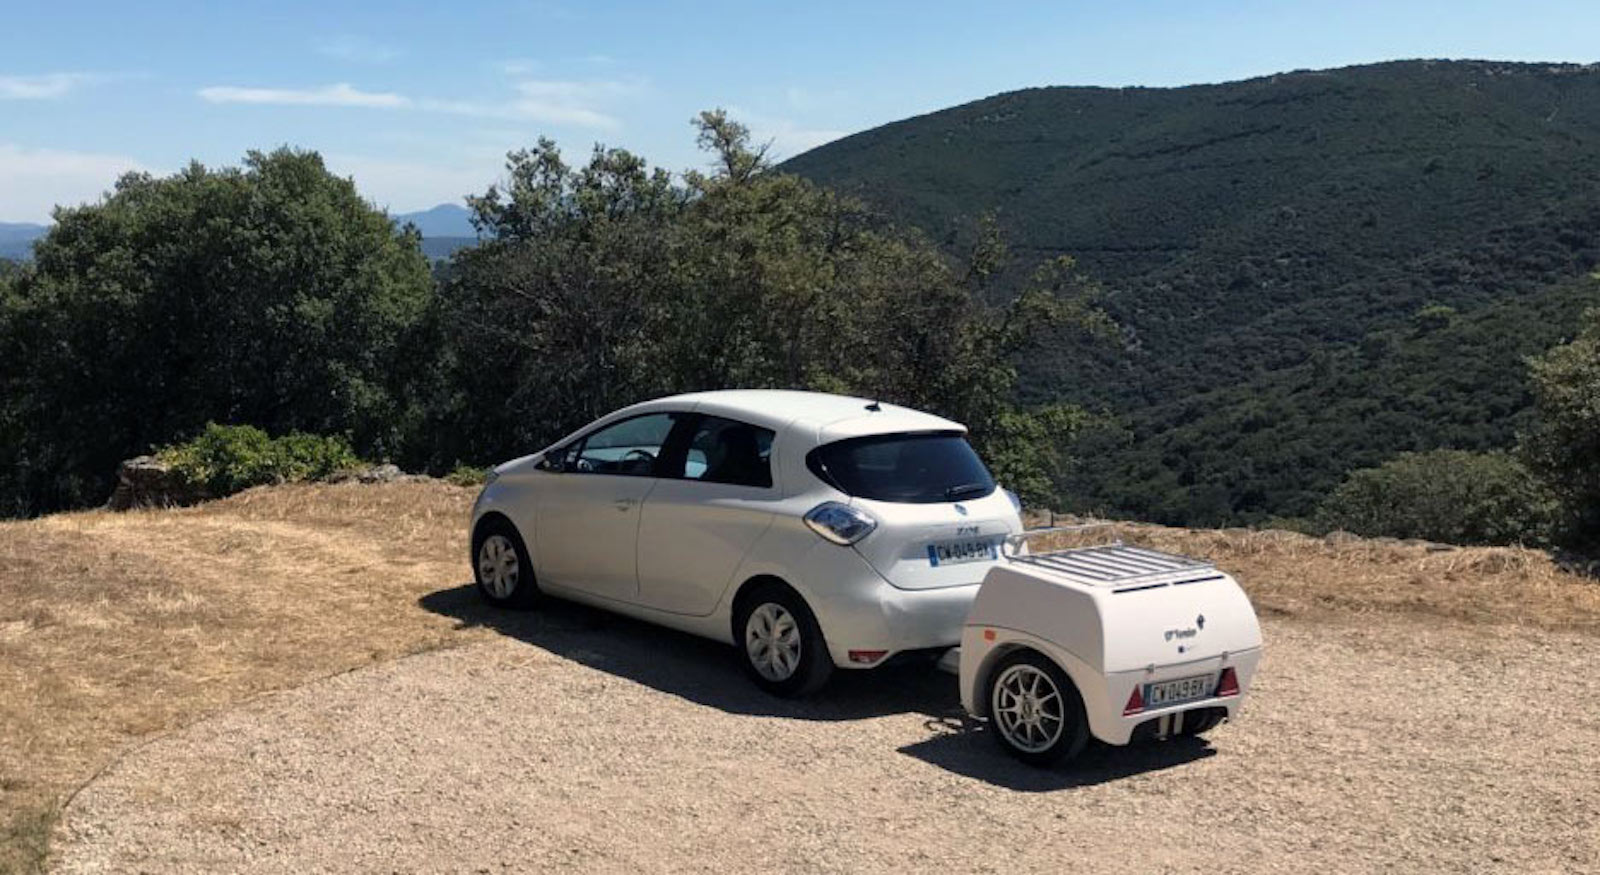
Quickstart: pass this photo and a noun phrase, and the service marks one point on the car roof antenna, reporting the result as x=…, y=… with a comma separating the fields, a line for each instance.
x=875, y=407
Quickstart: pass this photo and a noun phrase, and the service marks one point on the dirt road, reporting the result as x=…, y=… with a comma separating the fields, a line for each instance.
x=578, y=740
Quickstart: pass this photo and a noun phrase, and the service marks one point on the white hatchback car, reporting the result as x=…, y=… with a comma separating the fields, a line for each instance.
x=812, y=531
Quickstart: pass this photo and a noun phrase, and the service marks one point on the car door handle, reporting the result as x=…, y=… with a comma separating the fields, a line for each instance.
x=626, y=504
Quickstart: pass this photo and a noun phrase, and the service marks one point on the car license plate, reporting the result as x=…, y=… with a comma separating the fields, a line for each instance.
x=957, y=552
x=1164, y=693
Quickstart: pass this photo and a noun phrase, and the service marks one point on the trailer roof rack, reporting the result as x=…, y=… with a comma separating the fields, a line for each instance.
x=1111, y=564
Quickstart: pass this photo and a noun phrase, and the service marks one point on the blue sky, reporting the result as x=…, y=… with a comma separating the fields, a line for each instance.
x=420, y=102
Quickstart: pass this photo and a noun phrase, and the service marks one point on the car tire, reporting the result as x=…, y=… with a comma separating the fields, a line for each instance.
x=779, y=642
x=1035, y=712
x=501, y=567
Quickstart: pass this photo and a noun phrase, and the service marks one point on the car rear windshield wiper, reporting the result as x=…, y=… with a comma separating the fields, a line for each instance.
x=961, y=489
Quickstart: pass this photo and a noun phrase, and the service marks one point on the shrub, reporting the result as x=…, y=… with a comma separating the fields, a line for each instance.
x=1452, y=496
x=1564, y=444
x=224, y=459
x=466, y=475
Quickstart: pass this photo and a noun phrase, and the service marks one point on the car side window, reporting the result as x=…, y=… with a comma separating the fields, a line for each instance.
x=630, y=447
x=726, y=451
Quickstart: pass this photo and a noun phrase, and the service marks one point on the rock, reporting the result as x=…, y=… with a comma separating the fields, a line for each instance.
x=145, y=481
x=380, y=474
x=385, y=473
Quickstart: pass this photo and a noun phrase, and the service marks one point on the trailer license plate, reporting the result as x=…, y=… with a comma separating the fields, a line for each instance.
x=1164, y=693
x=957, y=552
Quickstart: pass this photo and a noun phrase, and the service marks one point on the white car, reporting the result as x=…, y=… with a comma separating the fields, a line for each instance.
x=1114, y=641
x=811, y=531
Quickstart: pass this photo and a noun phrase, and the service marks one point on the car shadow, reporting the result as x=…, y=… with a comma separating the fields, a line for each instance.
x=965, y=748
x=707, y=673
x=695, y=668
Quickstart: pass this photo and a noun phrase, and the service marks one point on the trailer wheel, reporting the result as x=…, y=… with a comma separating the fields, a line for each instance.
x=1035, y=712
x=1198, y=723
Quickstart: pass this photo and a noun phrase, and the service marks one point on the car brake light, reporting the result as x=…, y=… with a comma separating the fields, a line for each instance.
x=1135, y=702
x=840, y=523
x=866, y=657
x=1228, y=685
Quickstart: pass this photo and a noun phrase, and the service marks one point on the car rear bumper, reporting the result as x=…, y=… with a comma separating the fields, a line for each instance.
x=875, y=616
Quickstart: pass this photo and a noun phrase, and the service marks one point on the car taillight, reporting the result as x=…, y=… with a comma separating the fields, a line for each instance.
x=1228, y=684
x=840, y=523
x=1135, y=702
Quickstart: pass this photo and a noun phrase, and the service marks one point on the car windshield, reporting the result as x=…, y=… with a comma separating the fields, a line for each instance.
x=922, y=468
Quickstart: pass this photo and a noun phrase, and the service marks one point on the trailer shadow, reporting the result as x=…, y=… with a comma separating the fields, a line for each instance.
x=965, y=748
x=695, y=668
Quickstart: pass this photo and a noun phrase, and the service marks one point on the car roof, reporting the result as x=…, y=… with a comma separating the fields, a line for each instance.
x=827, y=417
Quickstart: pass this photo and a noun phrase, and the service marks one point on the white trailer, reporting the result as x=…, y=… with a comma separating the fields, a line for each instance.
x=1113, y=641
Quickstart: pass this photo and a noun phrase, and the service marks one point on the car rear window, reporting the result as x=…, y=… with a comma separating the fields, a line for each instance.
x=921, y=468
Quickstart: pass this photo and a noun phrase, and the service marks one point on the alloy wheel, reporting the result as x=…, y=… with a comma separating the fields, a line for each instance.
x=1028, y=708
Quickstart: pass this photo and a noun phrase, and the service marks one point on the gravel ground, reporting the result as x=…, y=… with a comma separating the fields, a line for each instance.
x=583, y=741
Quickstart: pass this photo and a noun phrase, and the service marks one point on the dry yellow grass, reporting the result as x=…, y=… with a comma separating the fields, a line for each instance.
x=117, y=626
x=114, y=626
x=1291, y=574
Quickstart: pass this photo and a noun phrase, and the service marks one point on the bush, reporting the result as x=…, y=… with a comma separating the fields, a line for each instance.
x=1564, y=444
x=1451, y=496
x=271, y=294
x=225, y=459
x=466, y=475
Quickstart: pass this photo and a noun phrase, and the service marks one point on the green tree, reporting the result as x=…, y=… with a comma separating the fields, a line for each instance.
x=270, y=294
x=609, y=284
x=1564, y=444
x=1451, y=496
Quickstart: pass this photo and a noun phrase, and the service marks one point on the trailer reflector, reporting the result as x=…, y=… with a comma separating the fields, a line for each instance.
x=1135, y=702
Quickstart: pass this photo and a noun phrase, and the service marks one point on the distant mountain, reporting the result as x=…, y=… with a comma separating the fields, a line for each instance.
x=1275, y=249
x=444, y=220
x=16, y=239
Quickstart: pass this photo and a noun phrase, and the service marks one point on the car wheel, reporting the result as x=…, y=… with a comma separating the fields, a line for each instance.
x=1035, y=712
x=780, y=643
x=501, y=566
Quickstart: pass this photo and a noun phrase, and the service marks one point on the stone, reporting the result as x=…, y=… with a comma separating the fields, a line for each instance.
x=145, y=481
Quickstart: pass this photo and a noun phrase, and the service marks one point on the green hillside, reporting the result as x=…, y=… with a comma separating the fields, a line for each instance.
x=1281, y=253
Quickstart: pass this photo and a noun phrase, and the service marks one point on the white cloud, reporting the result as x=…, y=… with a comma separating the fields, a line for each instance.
x=47, y=86
x=519, y=66
x=341, y=94
x=356, y=49
x=574, y=103
x=32, y=181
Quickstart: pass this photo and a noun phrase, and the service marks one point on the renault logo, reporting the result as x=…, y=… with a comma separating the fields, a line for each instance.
x=961, y=510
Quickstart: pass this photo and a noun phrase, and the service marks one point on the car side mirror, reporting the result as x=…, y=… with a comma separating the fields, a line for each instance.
x=555, y=461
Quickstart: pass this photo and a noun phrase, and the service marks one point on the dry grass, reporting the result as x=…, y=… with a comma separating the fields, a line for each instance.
x=116, y=626
x=1290, y=574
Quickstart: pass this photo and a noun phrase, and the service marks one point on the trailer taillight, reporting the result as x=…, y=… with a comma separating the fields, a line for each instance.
x=1228, y=684
x=1135, y=702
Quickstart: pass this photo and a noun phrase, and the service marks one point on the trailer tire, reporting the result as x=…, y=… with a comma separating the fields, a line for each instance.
x=1035, y=711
